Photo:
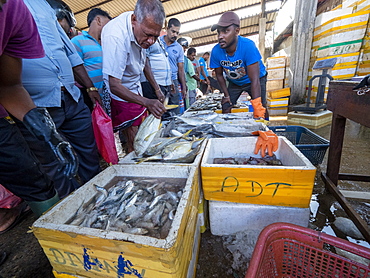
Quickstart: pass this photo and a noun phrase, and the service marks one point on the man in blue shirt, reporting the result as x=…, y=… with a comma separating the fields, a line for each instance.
x=161, y=71
x=176, y=58
x=50, y=81
x=241, y=61
x=88, y=46
x=204, y=86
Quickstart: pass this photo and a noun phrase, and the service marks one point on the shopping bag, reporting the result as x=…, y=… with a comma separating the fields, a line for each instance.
x=103, y=132
x=7, y=199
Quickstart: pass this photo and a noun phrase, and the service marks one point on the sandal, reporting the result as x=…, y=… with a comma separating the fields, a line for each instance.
x=24, y=210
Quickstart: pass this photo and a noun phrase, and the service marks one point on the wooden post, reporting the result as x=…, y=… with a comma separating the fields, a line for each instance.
x=262, y=30
x=304, y=23
x=262, y=37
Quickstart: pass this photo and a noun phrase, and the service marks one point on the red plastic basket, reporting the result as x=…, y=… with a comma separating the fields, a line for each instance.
x=287, y=250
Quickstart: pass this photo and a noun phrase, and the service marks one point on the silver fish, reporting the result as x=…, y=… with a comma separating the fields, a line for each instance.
x=184, y=152
x=137, y=231
x=193, y=121
x=158, y=147
x=146, y=133
x=171, y=214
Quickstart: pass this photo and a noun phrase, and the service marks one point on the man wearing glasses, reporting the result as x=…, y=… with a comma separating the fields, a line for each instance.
x=124, y=41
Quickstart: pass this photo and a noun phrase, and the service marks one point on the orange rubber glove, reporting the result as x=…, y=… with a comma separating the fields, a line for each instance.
x=267, y=140
x=258, y=110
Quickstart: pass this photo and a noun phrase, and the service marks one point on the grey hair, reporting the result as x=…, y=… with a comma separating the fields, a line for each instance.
x=150, y=8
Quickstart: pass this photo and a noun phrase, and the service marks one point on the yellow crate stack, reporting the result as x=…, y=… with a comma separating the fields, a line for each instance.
x=277, y=93
x=340, y=33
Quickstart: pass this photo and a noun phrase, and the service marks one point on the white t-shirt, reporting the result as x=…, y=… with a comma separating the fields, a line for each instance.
x=123, y=58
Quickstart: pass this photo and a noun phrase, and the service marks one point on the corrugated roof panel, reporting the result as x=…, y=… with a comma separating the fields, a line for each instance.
x=77, y=6
x=202, y=38
x=178, y=6
x=186, y=11
x=215, y=9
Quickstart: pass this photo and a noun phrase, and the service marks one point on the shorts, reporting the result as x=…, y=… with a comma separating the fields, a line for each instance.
x=126, y=114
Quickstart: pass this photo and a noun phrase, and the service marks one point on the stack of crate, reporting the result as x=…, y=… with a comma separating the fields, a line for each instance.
x=363, y=67
x=278, y=101
x=277, y=95
x=341, y=33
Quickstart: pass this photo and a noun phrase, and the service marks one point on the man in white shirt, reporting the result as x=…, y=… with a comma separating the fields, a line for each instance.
x=124, y=41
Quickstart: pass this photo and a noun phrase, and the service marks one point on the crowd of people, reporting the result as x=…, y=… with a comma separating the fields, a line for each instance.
x=51, y=77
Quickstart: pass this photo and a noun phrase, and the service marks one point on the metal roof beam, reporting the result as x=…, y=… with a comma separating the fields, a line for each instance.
x=208, y=27
x=249, y=34
x=195, y=8
x=192, y=9
x=94, y=6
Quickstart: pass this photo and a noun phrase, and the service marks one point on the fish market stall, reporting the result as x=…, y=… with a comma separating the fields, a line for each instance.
x=96, y=246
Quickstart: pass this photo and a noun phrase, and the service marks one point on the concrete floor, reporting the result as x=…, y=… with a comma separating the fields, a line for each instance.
x=26, y=258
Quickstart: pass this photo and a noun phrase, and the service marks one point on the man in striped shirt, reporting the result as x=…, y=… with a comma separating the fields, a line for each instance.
x=88, y=46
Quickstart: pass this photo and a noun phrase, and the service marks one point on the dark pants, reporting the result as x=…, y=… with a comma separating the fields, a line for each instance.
x=149, y=92
x=235, y=91
x=174, y=98
x=20, y=171
x=214, y=84
x=73, y=121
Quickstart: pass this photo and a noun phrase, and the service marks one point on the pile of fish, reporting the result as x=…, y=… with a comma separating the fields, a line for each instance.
x=138, y=206
x=267, y=160
x=212, y=125
x=177, y=152
x=178, y=149
x=146, y=133
x=209, y=102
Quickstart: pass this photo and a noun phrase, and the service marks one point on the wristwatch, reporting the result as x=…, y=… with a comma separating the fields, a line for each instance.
x=91, y=89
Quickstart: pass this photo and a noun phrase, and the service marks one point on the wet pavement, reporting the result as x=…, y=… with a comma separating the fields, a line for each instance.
x=26, y=258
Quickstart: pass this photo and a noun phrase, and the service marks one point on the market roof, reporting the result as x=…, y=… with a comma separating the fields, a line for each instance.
x=188, y=12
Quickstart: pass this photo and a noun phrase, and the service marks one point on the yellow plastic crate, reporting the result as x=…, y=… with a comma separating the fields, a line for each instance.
x=279, y=93
x=89, y=252
x=234, y=110
x=288, y=185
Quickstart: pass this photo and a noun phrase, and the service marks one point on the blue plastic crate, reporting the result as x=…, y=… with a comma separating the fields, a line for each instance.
x=309, y=143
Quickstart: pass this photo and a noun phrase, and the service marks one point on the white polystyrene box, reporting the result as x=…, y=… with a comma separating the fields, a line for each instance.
x=228, y=218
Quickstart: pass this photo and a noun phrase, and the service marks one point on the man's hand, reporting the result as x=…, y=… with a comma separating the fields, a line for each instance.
x=258, y=110
x=95, y=97
x=267, y=140
x=41, y=125
x=173, y=90
x=226, y=99
x=155, y=107
x=160, y=95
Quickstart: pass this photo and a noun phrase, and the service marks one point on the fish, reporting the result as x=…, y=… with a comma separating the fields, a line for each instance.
x=141, y=207
x=146, y=133
x=156, y=148
x=178, y=152
x=193, y=121
x=267, y=160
